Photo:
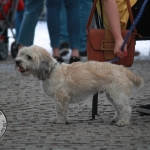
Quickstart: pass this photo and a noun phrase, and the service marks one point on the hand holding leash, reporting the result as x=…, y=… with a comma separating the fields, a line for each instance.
x=131, y=29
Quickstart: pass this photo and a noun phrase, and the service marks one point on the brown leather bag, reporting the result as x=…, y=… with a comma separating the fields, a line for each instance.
x=100, y=42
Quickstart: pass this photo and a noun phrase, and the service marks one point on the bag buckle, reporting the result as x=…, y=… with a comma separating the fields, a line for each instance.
x=107, y=45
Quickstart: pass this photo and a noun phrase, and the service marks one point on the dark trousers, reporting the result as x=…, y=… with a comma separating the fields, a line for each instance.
x=143, y=26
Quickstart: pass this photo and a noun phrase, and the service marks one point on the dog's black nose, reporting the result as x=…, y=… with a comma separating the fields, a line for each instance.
x=18, y=62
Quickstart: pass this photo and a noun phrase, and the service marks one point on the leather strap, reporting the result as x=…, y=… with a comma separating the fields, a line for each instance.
x=130, y=13
x=93, y=11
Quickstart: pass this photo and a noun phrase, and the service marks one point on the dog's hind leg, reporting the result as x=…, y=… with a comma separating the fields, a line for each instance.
x=121, y=103
x=116, y=117
x=125, y=113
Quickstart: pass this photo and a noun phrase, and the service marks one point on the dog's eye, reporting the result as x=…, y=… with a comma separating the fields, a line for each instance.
x=29, y=57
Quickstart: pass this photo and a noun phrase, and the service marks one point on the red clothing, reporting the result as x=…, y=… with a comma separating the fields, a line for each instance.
x=7, y=6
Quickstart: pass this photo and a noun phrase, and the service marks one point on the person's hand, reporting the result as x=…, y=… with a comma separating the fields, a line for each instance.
x=117, y=49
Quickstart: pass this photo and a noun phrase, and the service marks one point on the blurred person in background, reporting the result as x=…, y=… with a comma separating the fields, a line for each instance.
x=73, y=27
x=33, y=9
x=84, y=11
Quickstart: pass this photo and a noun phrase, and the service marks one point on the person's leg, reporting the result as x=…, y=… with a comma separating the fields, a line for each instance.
x=18, y=21
x=53, y=23
x=32, y=11
x=85, y=7
x=63, y=24
x=73, y=25
x=64, y=37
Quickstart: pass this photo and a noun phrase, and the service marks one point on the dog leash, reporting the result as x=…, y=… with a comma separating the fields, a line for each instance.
x=131, y=29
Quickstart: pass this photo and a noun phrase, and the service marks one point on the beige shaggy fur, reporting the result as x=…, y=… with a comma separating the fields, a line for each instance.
x=71, y=83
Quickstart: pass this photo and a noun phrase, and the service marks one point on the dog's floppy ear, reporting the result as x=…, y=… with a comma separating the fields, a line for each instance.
x=43, y=70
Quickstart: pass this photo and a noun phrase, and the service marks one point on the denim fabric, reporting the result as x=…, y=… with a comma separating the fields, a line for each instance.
x=32, y=11
x=73, y=21
x=64, y=37
x=18, y=21
x=84, y=9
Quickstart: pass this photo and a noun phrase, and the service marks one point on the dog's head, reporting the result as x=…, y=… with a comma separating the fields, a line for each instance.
x=34, y=60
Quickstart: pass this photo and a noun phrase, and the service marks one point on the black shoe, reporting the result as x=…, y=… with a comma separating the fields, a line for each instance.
x=74, y=59
x=59, y=59
x=64, y=48
x=136, y=53
x=83, y=54
x=145, y=109
x=14, y=49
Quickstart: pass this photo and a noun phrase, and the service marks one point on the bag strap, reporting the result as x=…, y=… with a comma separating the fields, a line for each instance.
x=101, y=20
x=94, y=8
x=91, y=15
x=130, y=14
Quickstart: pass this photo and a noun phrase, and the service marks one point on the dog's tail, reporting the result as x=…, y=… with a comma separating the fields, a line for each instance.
x=136, y=80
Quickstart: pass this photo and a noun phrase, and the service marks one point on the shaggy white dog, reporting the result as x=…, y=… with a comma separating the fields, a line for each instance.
x=70, y=83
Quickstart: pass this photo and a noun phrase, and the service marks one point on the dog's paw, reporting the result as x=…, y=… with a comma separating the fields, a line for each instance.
x=115, y=119
x=122, y=123
x=55, y=120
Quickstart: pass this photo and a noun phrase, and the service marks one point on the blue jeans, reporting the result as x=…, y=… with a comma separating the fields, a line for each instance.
x=73, y=21
x=64, y=37
x=84, y=9
x=32, y=11
x=18, y=21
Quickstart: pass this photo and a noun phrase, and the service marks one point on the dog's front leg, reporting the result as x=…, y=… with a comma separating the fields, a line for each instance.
x=62, y=107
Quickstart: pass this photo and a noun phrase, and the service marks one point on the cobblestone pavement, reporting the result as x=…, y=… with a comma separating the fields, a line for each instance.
x=30, y=113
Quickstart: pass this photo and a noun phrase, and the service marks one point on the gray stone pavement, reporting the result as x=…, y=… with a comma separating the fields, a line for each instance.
x=30, y=113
